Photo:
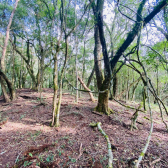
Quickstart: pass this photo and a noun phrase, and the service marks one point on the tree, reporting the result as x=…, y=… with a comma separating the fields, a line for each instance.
x=2, y=75
x=103, y=83
x=67, y=34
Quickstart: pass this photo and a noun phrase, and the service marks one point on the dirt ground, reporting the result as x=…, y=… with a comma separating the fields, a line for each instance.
x=27, y=139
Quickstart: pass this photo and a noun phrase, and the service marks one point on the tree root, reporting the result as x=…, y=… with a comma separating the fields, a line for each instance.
x=110, y=165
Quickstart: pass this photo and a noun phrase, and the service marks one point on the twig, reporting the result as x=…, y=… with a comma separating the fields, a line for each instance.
x=80, y=151
x=155, y=161
x=17, y=157
x=2, y=152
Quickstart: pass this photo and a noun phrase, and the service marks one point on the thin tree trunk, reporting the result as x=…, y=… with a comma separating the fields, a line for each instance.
x=55, y=91
x=11, y=89
x=127, y=92
x=76, y=59
x=76, y=69
x=57, y=113
x=4, y=92
x=91, y=76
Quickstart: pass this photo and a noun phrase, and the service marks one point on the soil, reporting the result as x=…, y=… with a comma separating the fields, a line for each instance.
x=26, y=138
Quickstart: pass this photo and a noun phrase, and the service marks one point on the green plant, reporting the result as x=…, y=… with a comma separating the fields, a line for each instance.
x=65, y=137
x=60, y=152
x=70, y=142
x=50, y=158
x=22, y=116
x=63, y=146
x=27, y=163
x=73, y=160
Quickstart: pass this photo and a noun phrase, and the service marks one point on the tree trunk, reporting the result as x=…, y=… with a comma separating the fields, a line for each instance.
x=102, y=105
x=4, y=91
x=55, y=92
x=11, y=88
x=115, y=84
x=76, y=69
x=9, y=84
x=103, y=82
x=90, y=77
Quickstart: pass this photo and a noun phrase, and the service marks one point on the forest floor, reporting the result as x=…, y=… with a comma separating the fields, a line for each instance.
x=27, y=139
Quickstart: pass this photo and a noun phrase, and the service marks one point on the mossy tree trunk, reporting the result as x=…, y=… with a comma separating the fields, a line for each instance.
x=99, y=37
x=103, y=81
x=102, y=105
x=55, y=81
x=56, y=111
x=4, y=91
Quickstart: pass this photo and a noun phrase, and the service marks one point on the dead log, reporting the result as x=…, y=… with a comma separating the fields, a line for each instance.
x=85, y=87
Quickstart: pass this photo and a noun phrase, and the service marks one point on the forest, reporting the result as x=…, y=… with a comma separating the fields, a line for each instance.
x=83, y=83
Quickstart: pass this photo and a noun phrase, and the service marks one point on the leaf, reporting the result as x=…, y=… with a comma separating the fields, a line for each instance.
x=30, y=154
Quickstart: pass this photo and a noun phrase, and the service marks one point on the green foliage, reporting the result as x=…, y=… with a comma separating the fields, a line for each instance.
x=50, y=158
x=27, y=163
x=73, y=160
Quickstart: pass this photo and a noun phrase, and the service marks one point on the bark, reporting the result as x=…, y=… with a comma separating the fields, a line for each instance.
x=102, y=105
x=85, y=87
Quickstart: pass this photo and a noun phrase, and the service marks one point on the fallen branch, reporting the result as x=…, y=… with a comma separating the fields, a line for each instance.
x=80, y=152
x=85, y=87
x=154, y=162
x=110, y=165
x=150, y=120
x=129, y=106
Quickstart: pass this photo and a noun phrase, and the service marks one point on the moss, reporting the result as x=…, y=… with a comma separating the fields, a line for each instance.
x=99, y=109
x=93, y=124
x=111, y=111
x=142, y=154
